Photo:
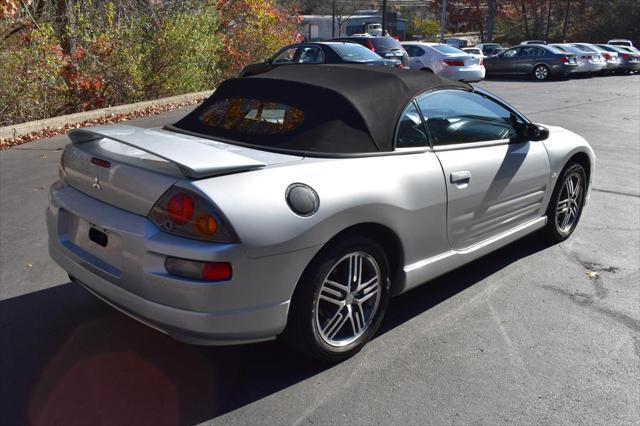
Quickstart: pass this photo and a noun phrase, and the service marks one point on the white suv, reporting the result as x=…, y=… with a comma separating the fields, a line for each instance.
x=620, y=42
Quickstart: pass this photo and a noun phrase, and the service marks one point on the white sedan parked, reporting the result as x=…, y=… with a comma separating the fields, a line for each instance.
x=445, y=61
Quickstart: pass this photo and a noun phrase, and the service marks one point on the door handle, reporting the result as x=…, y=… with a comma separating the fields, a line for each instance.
x=460, y=177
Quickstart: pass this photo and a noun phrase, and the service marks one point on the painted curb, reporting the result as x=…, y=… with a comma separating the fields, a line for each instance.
x=22, y=129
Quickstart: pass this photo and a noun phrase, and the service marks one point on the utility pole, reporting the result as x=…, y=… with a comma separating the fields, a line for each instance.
x=491, y=14
x=333, y=20
x=443, y=20
x=566, y=19
x=384, y=18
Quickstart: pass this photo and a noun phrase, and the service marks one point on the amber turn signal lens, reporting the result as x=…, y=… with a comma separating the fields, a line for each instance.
x=206, y=224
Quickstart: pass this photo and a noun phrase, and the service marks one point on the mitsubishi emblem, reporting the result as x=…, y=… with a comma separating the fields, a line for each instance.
x=96, y=184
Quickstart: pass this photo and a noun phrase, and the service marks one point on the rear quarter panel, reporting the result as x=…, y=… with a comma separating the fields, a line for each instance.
x=405, y=193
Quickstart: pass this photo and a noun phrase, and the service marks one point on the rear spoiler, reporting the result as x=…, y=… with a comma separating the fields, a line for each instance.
x=196, y=158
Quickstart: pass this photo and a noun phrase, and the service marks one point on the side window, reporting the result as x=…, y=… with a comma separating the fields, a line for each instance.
x=458, y=116
x=413, y=51
x=410, y=133
x=286, y=56
x=532, y=51
x=510, y=53
x=311, y=55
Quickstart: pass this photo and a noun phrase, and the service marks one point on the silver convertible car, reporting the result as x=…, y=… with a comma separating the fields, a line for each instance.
x=298, y=201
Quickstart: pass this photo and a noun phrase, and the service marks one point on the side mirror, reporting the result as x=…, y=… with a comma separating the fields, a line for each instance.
x=534, y=132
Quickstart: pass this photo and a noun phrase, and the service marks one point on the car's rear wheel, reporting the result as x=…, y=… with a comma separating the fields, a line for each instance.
x=340, y=300
x=541, y=72
x=567, y=201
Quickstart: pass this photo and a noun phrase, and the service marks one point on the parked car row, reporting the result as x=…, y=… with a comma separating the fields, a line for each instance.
x=535, y=58
x=542, y=60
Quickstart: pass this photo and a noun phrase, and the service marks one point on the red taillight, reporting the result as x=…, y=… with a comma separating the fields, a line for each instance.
x=626, y=56
x=481, y=61
x=100, y=162
x=216, y=271
x=606, y=56
x=370, y=45
x=453, y=63
x=197, y=270
x=188, y=214
x=564, y=59
x=180, y=208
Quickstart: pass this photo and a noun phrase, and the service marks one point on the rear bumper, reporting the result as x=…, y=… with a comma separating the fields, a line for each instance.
x=611, y=65
x=630, y=66
x=589, y=66
x=563, y=69
x=250, y=307
x=473, y=73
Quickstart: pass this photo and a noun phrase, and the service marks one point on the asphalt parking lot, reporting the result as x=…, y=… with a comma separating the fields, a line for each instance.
x=531, y=334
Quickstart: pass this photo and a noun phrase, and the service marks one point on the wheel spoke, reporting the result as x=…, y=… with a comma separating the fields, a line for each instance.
x=576, y=192
x=368, y=295
x=366, y=286
x=355, y=271
x=565, y=221
x=336, y=285
x=563, y=206
x=569, y=187
x=335, y=324
x=357, y=319
x=332, y=296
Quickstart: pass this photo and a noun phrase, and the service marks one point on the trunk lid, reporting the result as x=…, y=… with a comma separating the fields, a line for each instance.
x=130, y=168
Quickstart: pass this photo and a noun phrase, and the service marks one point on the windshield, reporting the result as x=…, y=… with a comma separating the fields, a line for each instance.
x=620, y=43
x=555, y=49
x=583, y=48
x=355, y=52
x=385, y=43
x=445, y=48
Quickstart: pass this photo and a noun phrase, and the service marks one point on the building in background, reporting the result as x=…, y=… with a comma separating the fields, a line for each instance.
x=319, y=27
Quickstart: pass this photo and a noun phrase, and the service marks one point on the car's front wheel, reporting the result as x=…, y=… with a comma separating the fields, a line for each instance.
x=340, y=300
x=541, y=72
x=567, y=201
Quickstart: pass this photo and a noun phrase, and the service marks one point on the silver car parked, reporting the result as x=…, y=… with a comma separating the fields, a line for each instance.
x=444, y=60
x=588, y=63
x=612, y=59
x=296, y=203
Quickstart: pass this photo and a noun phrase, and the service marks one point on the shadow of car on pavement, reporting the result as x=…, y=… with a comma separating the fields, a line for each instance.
x=67, y=358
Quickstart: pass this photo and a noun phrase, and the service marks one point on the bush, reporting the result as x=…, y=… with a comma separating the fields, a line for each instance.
x=105, y=57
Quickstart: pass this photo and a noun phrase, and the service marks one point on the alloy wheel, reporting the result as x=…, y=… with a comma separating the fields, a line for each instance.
x=569, y=203
x=348, y=299
x=541, y=72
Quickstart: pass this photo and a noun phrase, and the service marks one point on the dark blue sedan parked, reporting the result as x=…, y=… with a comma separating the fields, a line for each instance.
x=539, y=61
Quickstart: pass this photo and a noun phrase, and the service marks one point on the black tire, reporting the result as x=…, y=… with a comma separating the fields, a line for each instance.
x=541, y=72
x=554, y=231
x=303, y=329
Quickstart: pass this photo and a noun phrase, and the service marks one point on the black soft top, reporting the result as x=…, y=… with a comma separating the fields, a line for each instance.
x=352, y=109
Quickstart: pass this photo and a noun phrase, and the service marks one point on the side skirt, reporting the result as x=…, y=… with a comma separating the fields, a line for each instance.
x=427, y=269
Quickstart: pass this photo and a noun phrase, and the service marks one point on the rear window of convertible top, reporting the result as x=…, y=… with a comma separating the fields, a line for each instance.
x=287, y=119
x=252, y=116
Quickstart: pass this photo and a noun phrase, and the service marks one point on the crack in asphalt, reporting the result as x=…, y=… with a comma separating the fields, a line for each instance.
x=597, y=280
x=609, y=191
x=587, y=301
